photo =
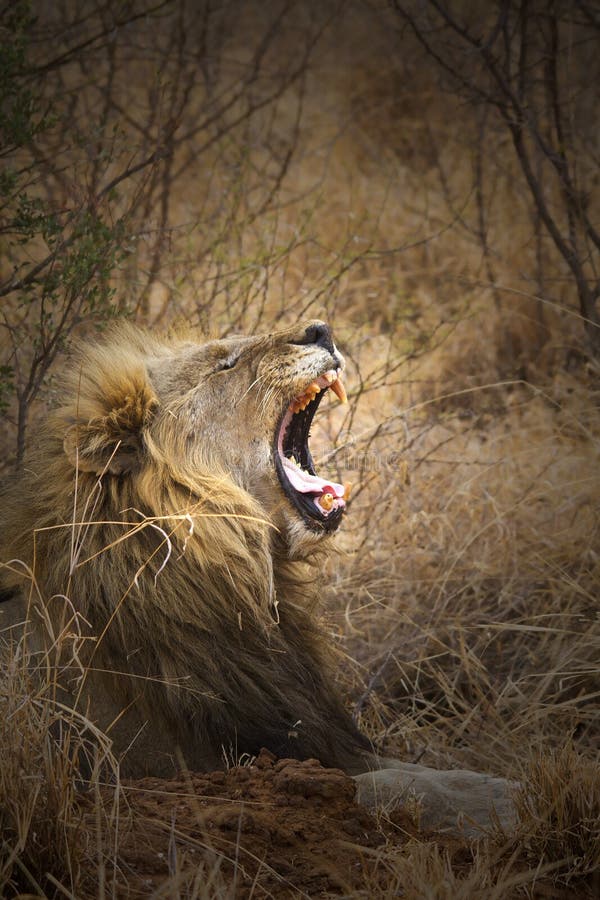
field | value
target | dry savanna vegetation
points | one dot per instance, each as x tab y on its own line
424	176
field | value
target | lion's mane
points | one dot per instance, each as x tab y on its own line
198	630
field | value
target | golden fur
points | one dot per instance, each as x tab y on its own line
151	502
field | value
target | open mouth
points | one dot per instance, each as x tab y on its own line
321	503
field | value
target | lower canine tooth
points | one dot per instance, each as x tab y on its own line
326	501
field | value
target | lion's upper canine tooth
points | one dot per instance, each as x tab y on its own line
339	390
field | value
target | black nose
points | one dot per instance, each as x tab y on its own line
320	334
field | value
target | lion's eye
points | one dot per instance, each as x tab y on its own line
227	363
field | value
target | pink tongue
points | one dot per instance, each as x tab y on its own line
310	484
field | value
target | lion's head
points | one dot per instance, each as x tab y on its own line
241	407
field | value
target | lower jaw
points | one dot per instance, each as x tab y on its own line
326	525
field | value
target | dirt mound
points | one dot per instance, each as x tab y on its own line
276	827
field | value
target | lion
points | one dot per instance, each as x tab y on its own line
172	499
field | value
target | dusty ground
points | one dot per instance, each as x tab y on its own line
276	828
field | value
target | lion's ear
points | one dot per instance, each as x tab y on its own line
107	434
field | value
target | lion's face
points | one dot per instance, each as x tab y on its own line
238	410
244	406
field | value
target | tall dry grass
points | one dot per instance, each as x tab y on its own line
48	752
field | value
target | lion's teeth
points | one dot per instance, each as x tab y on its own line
339	390
328	379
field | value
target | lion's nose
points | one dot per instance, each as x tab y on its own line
317	333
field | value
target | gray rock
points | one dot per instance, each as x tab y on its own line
458	802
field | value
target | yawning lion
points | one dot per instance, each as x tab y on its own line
173	499
170	517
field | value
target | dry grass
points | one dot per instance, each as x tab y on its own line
482	574
465	590
44	747
558	808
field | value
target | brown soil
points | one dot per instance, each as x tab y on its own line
275	828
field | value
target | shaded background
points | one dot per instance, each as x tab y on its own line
423	176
